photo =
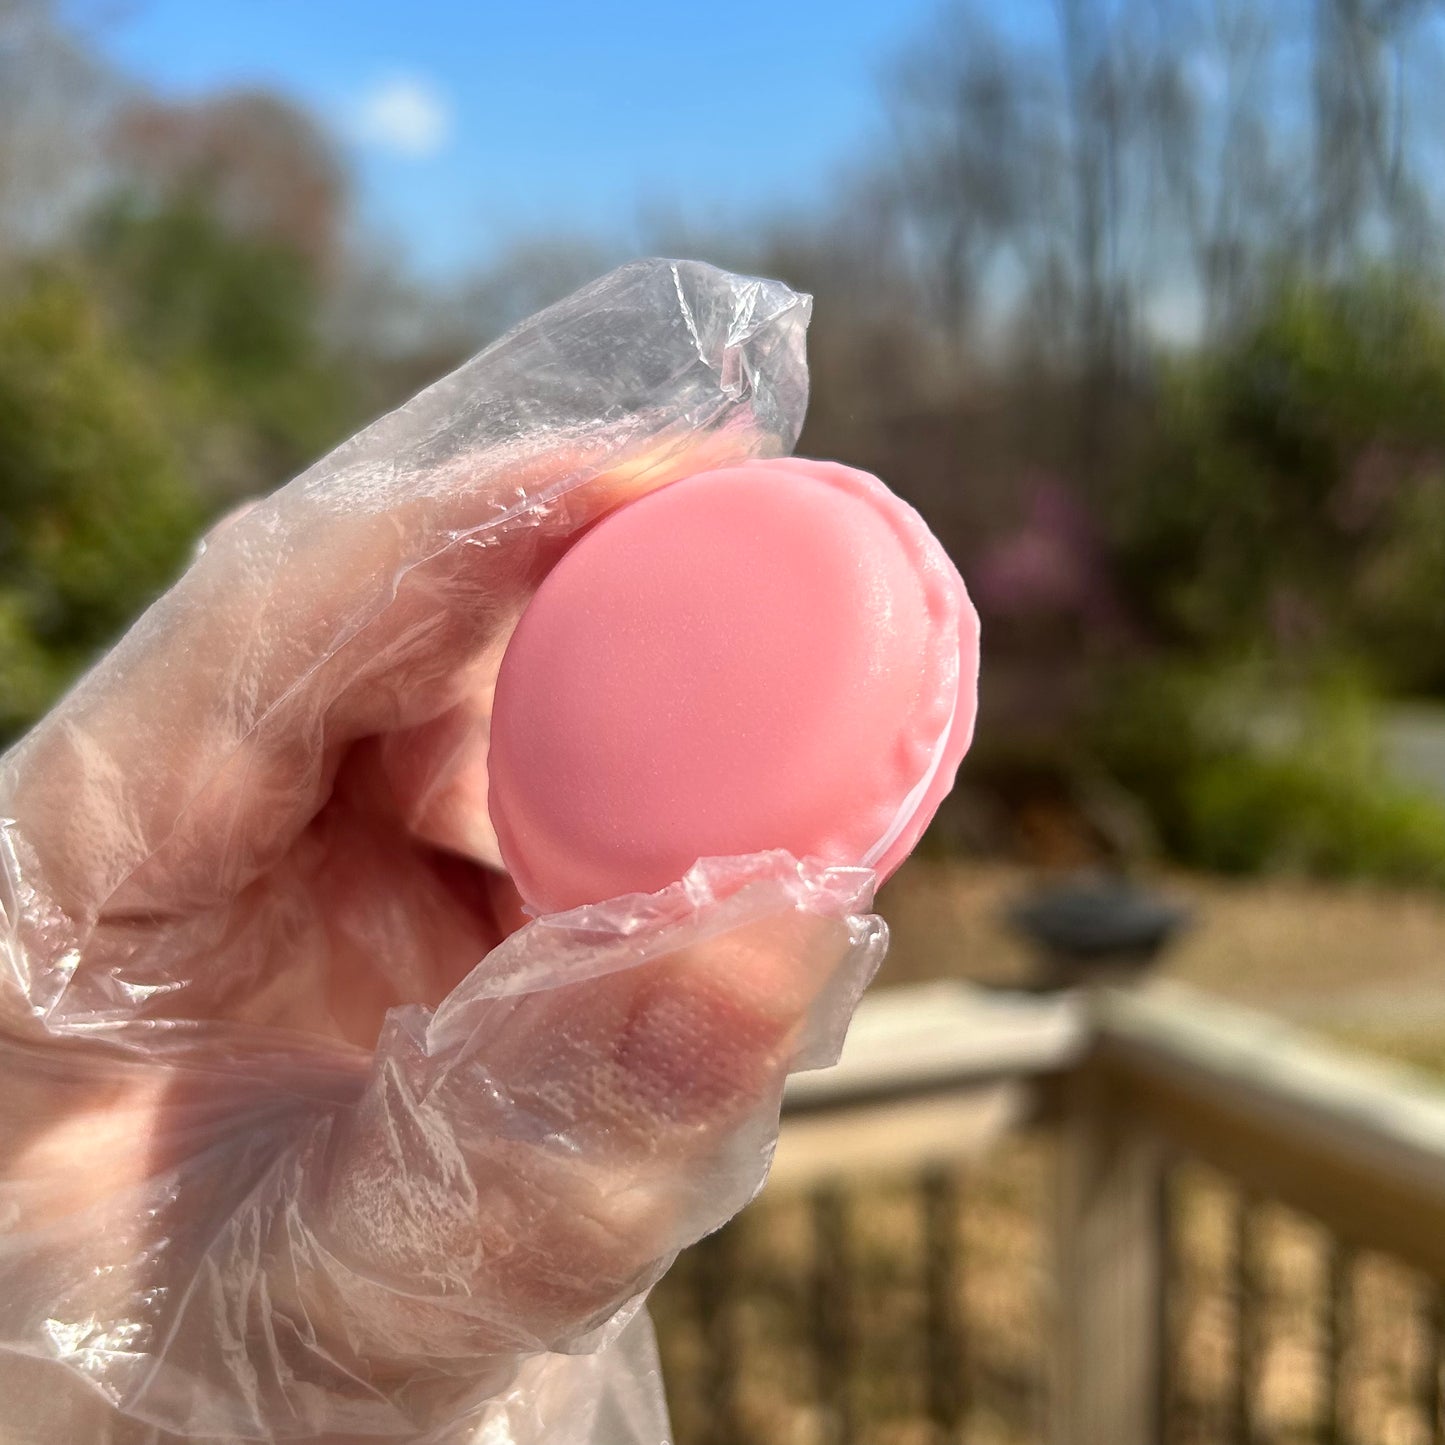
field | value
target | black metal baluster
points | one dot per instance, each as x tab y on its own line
833	1334
1338	1276
1246	1322
715	1264
944	1354
1432	1326
1171	1310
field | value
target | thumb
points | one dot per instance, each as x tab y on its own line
281	1244
529	1160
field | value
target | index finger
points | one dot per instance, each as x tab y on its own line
354	599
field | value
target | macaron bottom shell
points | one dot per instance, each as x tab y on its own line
775	655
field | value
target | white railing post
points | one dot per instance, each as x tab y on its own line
1111	1259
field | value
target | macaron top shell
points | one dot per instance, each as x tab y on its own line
772	655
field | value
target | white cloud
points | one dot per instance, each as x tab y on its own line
406	115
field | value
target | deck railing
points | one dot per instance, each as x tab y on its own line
1240	1237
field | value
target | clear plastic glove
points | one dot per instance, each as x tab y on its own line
307	1132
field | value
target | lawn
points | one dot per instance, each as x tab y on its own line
1362	964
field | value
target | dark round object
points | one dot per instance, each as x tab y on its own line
1094	925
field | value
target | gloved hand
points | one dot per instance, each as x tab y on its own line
307	1133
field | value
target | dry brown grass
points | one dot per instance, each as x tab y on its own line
1362	962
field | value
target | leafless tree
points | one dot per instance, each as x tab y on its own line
1366	185
56	102
1215	116
1159	162
972	165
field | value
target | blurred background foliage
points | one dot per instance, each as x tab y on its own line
95	513
1137	303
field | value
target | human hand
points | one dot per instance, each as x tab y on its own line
306	1132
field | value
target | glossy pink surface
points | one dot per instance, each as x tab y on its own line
774	655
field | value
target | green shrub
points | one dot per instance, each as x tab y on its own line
1294	497
94	516
1240	782
232	326
1250	813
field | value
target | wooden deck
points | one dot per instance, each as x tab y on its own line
1131	1081
929	1074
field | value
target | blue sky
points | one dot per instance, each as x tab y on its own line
469	125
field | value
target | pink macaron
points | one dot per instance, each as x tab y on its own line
775	655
